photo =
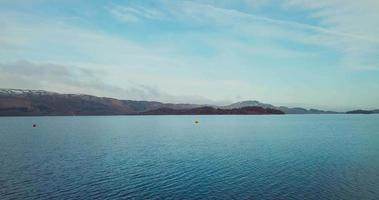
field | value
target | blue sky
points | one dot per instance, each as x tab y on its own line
322	54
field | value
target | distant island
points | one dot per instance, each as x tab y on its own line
19	102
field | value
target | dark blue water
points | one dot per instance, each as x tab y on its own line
169	157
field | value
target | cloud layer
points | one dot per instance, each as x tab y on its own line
292	52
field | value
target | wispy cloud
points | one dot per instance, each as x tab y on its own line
349	32
199	12
356	20
135	13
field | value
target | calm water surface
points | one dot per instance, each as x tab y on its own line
169	157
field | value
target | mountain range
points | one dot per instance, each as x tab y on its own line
19	102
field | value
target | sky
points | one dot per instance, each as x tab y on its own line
321	54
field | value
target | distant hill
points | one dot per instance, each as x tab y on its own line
284	109
363	112
247	104
253	110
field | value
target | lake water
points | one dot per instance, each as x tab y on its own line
170	157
